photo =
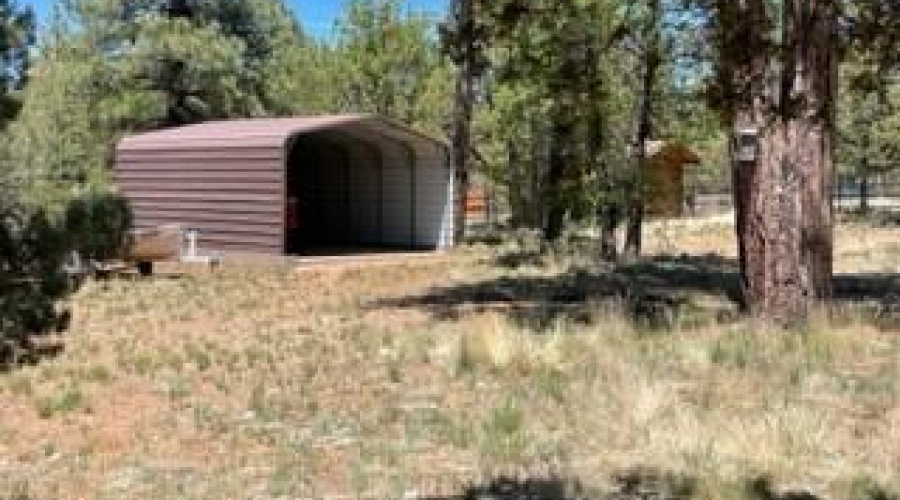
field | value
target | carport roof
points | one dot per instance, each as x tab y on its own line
271	132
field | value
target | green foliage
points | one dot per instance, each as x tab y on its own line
107	68
17	27
64	402
556	80
570	68
866	488
62	140
868	123
871	29
98	225
32	250
503	433
389	63
511	139
303	79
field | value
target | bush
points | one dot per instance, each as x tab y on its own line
98	225
32	280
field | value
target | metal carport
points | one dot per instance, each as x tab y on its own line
361	180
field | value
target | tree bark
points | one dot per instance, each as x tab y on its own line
464	98
864	176
517	187
652	59
608	211
536	170
783	198
559	160
609	221
864	193
634	230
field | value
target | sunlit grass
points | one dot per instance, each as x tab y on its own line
283	382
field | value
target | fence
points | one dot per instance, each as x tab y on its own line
847	196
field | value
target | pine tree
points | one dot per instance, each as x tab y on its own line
109	67
777	87
32	251
390	64
564	50
651	59
17	34
869	131
464	36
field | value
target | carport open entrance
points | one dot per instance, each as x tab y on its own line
341	197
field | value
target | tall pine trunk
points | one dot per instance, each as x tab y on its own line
864	192
608	216
651	60
864	175
516	187
783	197
560	137
464	97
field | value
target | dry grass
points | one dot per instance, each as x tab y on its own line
383	380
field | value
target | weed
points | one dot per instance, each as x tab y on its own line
176	387
140	363
863	487
552	384
198	356
283	382
395	372
737	349
19	490
503	434
66	401
98	373
20	385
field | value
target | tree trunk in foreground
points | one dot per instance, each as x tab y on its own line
783	198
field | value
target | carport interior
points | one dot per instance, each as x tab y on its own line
339	193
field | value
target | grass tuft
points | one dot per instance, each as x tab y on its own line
386	380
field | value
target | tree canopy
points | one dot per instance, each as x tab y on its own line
551	103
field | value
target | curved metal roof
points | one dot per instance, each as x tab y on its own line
270	132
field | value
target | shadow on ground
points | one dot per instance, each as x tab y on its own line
656	293
28	351
640	484
880	217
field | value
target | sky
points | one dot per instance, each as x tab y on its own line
316	16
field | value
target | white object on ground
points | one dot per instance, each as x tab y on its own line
191	254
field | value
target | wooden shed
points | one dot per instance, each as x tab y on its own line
664	177
291	185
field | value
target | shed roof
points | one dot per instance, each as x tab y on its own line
272	132
669	154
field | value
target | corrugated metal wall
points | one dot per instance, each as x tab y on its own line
434	198
232	196
399	195
377	183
